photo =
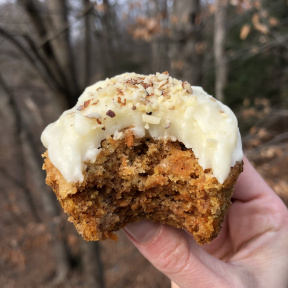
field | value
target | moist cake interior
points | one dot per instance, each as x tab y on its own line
134	179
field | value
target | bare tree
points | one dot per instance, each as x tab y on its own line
15	125
186	48
49	51
160	40
29	157
58	22
87	43
219	52
106	36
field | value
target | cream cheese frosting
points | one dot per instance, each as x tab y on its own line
158	105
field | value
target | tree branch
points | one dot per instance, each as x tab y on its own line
24	51
18	45
66	27
40	26
58	86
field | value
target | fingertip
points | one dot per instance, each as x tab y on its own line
142	232
167	248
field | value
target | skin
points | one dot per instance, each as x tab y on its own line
250	251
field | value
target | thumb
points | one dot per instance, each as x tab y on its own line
175	253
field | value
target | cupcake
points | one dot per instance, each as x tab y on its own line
144	147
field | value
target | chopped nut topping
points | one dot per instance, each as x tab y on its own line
131	86
111	113
145	85
187	87
86	103
93	115
150	119
149	90
119	92
167	124
162	83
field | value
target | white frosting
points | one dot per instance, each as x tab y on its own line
179	112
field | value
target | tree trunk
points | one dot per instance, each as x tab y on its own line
62	45
107	39
185	51
219	53
56	63
52	217
16	171
92	265
40	48
87	44
30	158
159	41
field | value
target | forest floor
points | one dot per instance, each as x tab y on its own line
26	253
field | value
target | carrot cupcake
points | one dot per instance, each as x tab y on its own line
144	147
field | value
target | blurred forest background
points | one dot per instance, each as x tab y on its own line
51	50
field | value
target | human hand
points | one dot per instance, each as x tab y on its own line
250	251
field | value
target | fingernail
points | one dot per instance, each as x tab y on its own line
142	232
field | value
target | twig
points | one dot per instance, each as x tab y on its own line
280	38
11	38
45	65
274	141
66	27
18	44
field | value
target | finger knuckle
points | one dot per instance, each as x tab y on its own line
174	258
